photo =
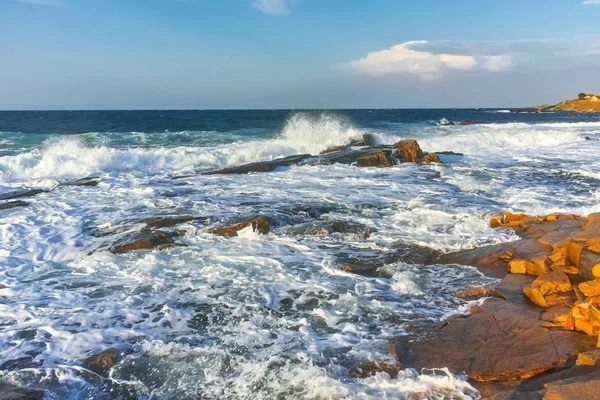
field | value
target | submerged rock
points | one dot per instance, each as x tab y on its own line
89	181
166	222
261	225
10	392
263	166
329	227
103	362
479	292
13	204
21	193
373	367
468	122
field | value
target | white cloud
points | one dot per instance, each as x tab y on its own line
590	2
271	7
404	58
42	2
497	63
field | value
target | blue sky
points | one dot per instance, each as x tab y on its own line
126	54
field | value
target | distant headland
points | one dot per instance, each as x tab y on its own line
584	102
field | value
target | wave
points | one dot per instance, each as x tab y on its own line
71	157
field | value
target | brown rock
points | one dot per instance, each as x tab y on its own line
102	363
589	258
576	388
373	367
500	341
430	158
166	222
468	122
142	240
261	225
479	292
408	150
379	159
360	267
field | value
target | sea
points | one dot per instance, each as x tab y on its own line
258	316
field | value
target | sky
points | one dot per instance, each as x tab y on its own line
207	54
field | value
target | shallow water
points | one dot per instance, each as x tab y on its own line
257	317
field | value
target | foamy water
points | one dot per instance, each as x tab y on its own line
256	316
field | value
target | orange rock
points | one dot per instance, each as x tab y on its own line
553	282
430	158
590	288
519	266
551	217
379	159
574	253
261	225
596	271
535	295
408	150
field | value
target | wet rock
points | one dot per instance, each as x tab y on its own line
13	204
379	159
166	222
467	122
348	157
21	193
408	150
261	225
20	363
144	240
103	362
327	227
360	267
430	158
479	292
263	166
500	341
10	392
373	367
89	181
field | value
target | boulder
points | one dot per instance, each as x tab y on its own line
408	150
430	158
547	284
588	358
360	267
379	159
590	288
261	225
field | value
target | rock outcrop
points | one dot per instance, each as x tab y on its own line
584	103
262	225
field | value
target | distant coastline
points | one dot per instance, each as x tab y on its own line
585	102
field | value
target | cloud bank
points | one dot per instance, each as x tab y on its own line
431	60
271	7
590	2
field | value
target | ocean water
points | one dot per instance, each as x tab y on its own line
257	317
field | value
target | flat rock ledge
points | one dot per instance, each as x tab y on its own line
360	154
536	335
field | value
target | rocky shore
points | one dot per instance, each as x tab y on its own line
535	336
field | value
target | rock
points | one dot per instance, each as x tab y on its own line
408	150
329	227
590	288
373	367
360	267
21	193
143	240
166	222
467	122
379	159
576	388
479	292
10	392
13	204
90	181
430	158
589	258
547	284
588	358
261	225
264	166
500	341
368	139
102	363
